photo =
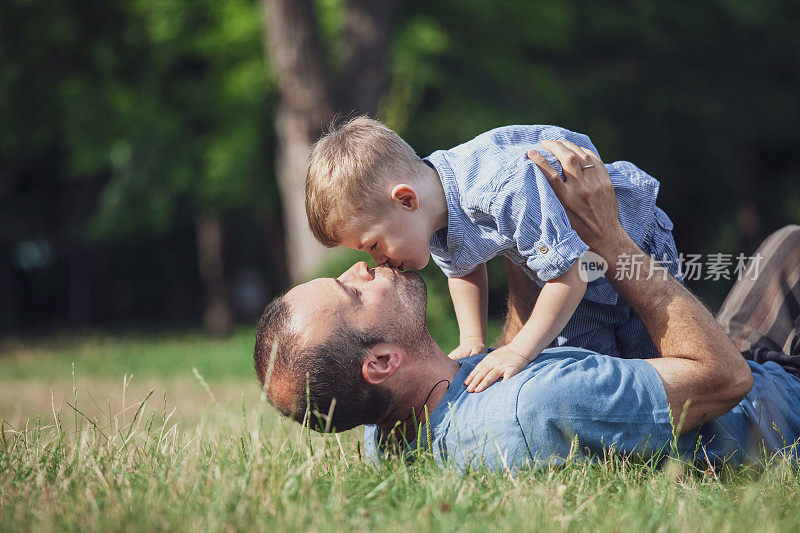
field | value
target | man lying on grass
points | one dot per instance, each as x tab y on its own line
355	350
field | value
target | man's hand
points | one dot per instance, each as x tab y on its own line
503	362
469	346
586	192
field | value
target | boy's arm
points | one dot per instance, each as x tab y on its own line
470	296
557	301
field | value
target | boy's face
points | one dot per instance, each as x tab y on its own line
398	237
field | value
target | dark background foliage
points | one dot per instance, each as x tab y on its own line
140	140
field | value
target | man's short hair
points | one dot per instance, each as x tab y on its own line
347	172
328	370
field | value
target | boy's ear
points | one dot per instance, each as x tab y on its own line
406	195
381	363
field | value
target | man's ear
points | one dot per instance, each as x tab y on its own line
406	196
381	363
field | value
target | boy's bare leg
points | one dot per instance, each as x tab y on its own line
762	315
522	295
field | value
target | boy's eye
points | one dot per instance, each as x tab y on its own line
374	245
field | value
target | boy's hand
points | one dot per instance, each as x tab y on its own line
503	362
469	346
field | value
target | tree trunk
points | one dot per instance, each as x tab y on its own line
8	297
293	45
217	317
366	32
296	135
78	285
78	200
309	98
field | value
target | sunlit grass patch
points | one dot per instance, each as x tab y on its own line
241	467
216	457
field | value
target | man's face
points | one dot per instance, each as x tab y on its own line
361	297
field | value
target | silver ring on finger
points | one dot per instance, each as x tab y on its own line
590	165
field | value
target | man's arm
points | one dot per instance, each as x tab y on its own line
704	375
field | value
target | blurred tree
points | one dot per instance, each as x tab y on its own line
314	83
157	110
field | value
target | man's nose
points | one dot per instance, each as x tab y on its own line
364	272
359	271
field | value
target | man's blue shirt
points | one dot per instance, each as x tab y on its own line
573	401
499	203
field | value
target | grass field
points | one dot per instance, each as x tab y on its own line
204	453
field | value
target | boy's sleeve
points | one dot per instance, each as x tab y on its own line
531	215
444	264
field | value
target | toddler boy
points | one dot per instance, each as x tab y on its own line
368	190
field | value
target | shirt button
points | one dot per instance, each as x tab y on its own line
544	249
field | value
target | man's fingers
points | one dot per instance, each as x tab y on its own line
589	153
580	152
571	161
551	174
593	157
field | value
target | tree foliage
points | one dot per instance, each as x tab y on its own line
124	121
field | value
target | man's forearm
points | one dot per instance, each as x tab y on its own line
703	373
523	293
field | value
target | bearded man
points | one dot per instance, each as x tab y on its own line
337	353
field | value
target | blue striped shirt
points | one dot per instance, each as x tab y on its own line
499	203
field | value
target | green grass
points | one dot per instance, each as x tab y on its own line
222	460
140	353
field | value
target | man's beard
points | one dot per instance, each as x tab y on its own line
413	295
406	322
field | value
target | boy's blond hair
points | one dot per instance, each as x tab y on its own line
348	171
